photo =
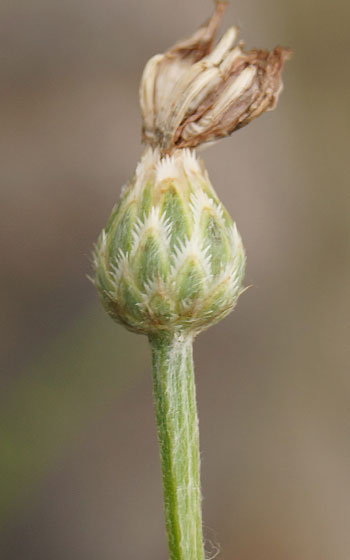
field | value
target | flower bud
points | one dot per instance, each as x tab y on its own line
170	257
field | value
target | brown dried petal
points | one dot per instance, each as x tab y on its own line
260	95
200	43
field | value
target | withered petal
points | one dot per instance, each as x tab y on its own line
261	95
200	43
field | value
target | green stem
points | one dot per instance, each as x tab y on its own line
177	422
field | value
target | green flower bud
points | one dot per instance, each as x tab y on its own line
170	257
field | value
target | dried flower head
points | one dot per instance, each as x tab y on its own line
195	93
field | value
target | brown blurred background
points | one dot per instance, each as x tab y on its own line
79	468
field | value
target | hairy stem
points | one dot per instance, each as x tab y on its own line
177	422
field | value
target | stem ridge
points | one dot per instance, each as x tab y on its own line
178	435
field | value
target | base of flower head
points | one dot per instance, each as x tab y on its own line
170	257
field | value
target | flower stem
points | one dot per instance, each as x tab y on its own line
177	422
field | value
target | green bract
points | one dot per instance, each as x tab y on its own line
170	257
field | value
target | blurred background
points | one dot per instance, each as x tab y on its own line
79	466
